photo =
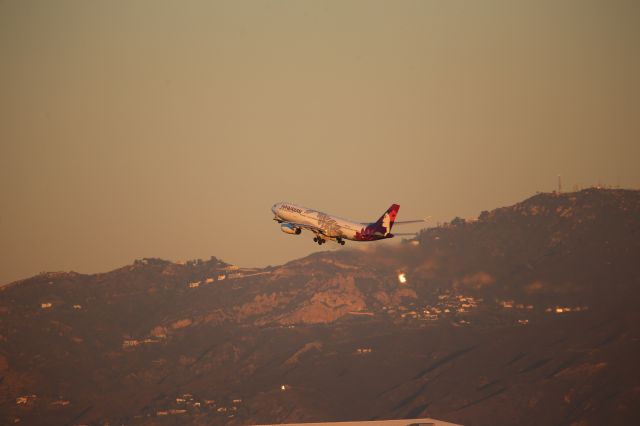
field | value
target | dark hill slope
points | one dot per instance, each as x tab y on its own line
528	315
579	246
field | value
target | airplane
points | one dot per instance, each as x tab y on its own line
293	219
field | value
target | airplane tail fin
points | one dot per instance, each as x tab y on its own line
385	223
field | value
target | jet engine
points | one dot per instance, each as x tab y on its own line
287	228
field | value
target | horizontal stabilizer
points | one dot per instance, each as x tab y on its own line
407	222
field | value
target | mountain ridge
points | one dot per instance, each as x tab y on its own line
527	314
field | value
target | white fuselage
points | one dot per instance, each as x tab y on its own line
332	227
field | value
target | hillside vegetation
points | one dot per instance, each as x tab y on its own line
527	315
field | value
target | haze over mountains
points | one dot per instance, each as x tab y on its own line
529	314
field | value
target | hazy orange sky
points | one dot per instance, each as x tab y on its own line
168	129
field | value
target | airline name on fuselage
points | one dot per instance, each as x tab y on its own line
292	209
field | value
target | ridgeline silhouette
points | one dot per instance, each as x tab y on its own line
527	315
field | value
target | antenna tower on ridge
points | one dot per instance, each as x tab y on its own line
559	184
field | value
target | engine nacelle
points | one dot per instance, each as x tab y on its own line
290	229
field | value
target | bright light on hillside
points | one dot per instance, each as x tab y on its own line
402	278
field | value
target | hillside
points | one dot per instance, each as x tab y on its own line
528	314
